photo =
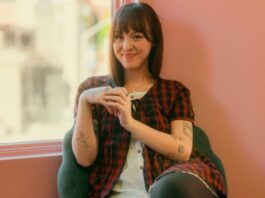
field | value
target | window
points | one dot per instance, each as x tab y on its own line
47	47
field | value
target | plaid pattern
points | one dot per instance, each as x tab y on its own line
167	100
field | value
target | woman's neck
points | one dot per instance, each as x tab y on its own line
136	76
135	82
136	79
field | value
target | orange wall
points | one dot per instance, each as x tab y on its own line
217	49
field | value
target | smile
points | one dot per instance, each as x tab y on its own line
128	56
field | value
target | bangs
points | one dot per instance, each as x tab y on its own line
134	19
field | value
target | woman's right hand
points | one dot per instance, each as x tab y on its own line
96	96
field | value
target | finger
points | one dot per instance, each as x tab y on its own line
116	112
112	111
121	89
106	90
117	99
118	92
118	107
109	109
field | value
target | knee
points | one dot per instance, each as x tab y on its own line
167	186
179	185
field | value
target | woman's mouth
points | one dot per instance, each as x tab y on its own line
128	56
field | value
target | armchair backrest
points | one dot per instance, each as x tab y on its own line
202	144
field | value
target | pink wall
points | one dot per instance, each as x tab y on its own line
29	178
217	48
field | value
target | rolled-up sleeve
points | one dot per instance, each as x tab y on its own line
182	106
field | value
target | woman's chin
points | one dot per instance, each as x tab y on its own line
129	66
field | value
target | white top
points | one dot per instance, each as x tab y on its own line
131	181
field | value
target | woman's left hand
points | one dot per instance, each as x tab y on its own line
118	99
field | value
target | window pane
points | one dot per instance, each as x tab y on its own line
47	47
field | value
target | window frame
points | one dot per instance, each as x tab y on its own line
31	149
42	148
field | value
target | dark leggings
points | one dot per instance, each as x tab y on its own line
180	185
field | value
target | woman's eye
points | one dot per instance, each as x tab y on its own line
138	36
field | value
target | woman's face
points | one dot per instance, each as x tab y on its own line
132	49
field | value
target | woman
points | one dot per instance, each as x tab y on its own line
133	129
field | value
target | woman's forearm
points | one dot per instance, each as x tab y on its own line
84	141
174	147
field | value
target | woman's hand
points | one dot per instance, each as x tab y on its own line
118	100
97	96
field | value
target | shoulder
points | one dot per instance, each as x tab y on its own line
172	86
176	100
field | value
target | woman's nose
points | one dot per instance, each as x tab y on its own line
127	44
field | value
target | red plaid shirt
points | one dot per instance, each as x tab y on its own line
167	100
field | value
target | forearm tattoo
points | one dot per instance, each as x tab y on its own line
82	139
187	129
175	156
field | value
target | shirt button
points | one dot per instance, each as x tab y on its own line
141	167
133	107
139	151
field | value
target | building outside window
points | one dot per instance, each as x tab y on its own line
47	47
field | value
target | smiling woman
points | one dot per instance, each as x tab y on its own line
45	53
133	131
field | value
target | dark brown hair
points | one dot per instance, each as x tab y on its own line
140	17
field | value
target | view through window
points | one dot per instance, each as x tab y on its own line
47	47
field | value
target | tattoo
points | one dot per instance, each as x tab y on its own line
187	129
181	148
82	139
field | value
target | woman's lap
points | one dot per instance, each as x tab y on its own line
181	184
